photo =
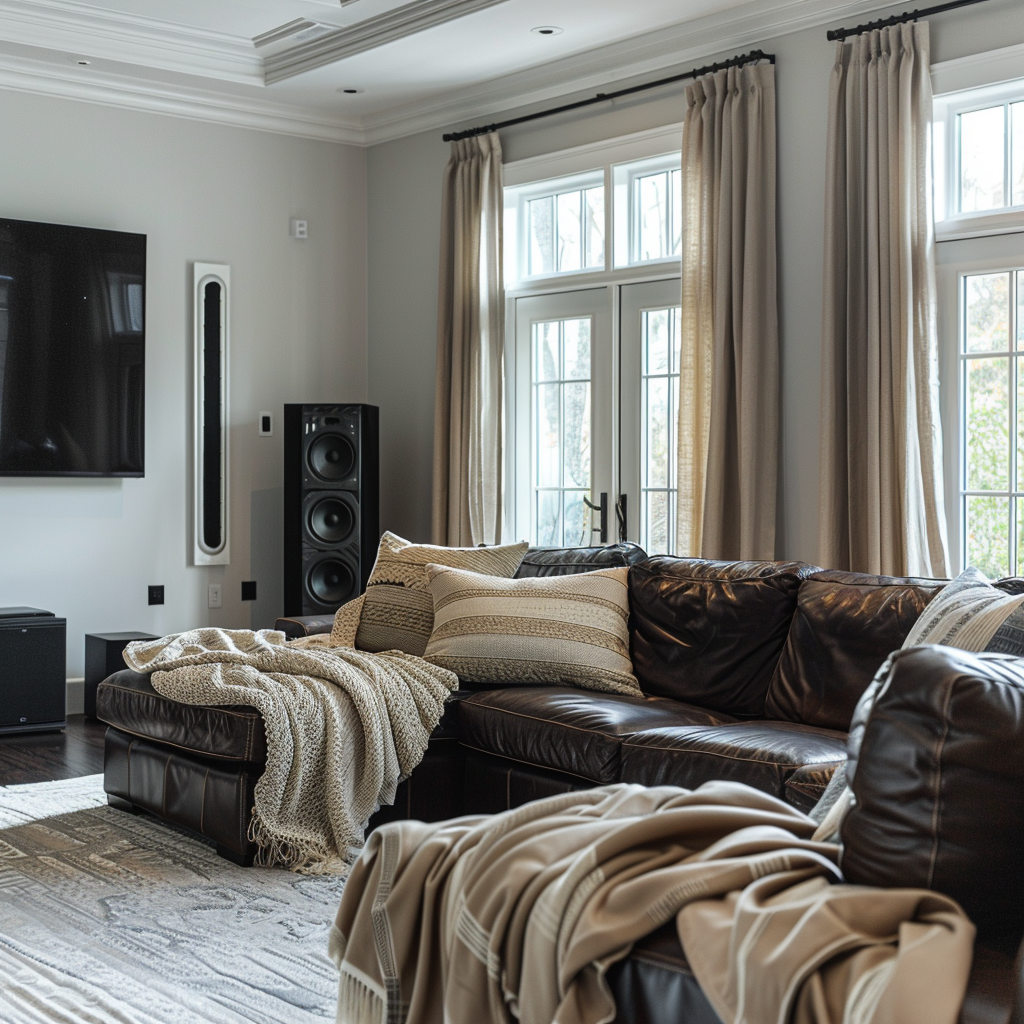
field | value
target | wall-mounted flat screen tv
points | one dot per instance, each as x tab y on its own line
72	351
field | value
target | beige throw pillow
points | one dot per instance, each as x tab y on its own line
398	612
556	629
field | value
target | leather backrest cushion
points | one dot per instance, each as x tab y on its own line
939	785
845	626
710	633
569	561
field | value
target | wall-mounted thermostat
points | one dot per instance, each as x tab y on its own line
299	228
266	424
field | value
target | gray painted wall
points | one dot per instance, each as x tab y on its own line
86	549
404	182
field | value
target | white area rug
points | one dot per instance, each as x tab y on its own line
110	918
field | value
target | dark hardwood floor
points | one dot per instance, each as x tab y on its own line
45	756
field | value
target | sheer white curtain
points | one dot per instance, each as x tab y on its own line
729	361
881	505
468	414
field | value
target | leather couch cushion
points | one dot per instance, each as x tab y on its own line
806	786
761	754
710	633
568	561
845	626
939	784
127	701
561	728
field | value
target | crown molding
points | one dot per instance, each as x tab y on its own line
45	79
368	35
661	51
76	28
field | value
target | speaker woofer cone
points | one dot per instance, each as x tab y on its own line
330	520
332	457
331	581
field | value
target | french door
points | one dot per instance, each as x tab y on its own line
596	395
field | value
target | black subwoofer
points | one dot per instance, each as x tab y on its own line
331	518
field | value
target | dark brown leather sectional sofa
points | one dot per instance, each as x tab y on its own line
750	672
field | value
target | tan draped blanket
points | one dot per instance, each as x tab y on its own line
343	727
518	916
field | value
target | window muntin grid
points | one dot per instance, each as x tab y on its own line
565	232
991	309
659	416
561	359
990	157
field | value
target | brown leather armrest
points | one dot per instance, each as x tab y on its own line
304	625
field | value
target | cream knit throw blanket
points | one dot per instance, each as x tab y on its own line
343	728
518	916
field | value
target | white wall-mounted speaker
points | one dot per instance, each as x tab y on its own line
211	283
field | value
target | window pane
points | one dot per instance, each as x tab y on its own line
987	319
1020	309
652	192
549	519
1017	152
988	535
569	228
657	523
982	158
542	235
657	431
577	349
1020	423
577	522
595	227
677	331
545	351
988	426
656	351
547	430
577	435
677	213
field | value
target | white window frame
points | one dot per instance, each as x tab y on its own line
625	214
950	223
532	177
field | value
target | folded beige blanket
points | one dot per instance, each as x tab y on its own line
519	915
343	728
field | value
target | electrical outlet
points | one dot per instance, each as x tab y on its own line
214	595
156	595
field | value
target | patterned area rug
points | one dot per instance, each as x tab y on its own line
109	918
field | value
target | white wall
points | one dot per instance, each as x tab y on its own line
87	549
404	220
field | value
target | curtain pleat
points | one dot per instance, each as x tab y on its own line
880	507
468	412
729	361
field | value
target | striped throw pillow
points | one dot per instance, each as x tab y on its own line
398	612
570	630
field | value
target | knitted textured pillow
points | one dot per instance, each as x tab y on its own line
548	630
398	612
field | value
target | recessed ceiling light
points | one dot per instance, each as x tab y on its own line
350	91
547	30
84	63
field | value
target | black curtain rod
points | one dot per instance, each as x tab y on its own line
899	19
601	97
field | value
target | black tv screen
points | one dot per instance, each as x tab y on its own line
72	350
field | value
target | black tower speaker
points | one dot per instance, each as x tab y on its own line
331	504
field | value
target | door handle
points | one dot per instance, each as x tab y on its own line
620	516
601	530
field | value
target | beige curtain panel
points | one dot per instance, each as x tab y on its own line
729	357
468	414
881	505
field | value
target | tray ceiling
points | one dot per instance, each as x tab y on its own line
364	70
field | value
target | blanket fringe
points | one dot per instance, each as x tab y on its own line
310	859
358	1003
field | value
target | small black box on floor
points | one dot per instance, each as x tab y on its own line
33	678
103	658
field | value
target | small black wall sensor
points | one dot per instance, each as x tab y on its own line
156	595
248	590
